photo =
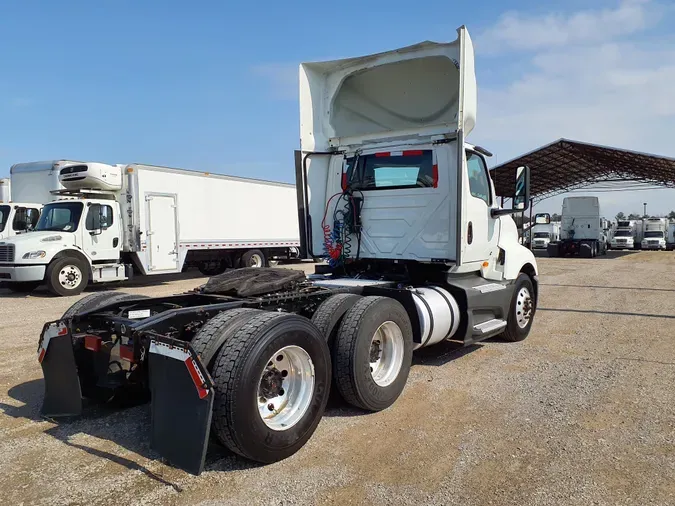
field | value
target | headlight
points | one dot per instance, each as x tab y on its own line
32	255
51	238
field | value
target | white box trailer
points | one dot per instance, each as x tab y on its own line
670	238
582	229
28	188
113	220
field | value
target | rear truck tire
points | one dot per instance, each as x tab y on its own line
521	310
212	268
23	286
253	258
67	276
217	331
372	353
553	250
272	381
330	313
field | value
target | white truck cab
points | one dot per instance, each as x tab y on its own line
655	233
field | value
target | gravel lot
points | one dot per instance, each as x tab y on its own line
582	412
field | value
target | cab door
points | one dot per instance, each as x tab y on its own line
102	234
481	230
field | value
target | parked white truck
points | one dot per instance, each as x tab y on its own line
582	229
113	220
544	231
655	231
670	237
28	188
432	258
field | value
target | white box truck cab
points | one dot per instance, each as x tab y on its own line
110	221
655	231
419	252
582	229
24	194
544	231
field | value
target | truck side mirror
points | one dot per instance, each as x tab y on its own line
521	199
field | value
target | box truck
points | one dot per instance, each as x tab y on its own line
28	188
655	231
670	238
582	229
110	221
544	231
419	251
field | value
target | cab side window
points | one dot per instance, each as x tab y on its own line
99	212
479	184
25	218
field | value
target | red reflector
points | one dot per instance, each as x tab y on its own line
127	353
92	343
384	153
344	180
413	152
434	175
197	378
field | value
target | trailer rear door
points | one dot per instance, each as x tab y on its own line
162	231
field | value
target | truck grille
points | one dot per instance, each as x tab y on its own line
7	253
622	240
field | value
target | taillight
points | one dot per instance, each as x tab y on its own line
92	343
434	175
127	353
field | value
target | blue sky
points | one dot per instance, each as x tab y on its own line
207	86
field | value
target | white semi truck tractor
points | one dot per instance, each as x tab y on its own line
419	250
112	221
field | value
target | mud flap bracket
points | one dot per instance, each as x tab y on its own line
182	402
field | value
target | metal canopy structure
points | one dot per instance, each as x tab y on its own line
566	165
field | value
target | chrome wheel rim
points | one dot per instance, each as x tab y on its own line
523	307
70	277
386	353
255	261
286	388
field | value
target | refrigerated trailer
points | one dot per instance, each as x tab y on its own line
419	250
582	229
112	220
27	190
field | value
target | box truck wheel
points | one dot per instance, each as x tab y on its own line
330	313
521	311
373	353
212	268
253	258
272	382
67	276
23	286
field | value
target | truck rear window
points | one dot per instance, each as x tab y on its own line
392	170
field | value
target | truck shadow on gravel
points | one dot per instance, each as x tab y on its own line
611	254
128	427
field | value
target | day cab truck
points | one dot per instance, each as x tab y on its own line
655	233
544	231
419	252
582	229
112	221
23	194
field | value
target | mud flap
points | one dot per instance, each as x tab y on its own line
63	396
182	401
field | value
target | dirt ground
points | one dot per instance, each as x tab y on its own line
580	413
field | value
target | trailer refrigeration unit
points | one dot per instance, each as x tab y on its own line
655	232
26	191
419	253
113	220
581	230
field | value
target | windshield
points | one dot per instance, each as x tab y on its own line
60	216
654	234
4	214
541	235
623	233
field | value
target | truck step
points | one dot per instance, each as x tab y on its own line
488	327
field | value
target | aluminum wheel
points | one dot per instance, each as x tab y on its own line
386	353
255	260
523	307
70	277
286	388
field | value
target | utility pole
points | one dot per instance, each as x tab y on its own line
645	213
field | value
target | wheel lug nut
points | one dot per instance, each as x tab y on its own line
270	406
